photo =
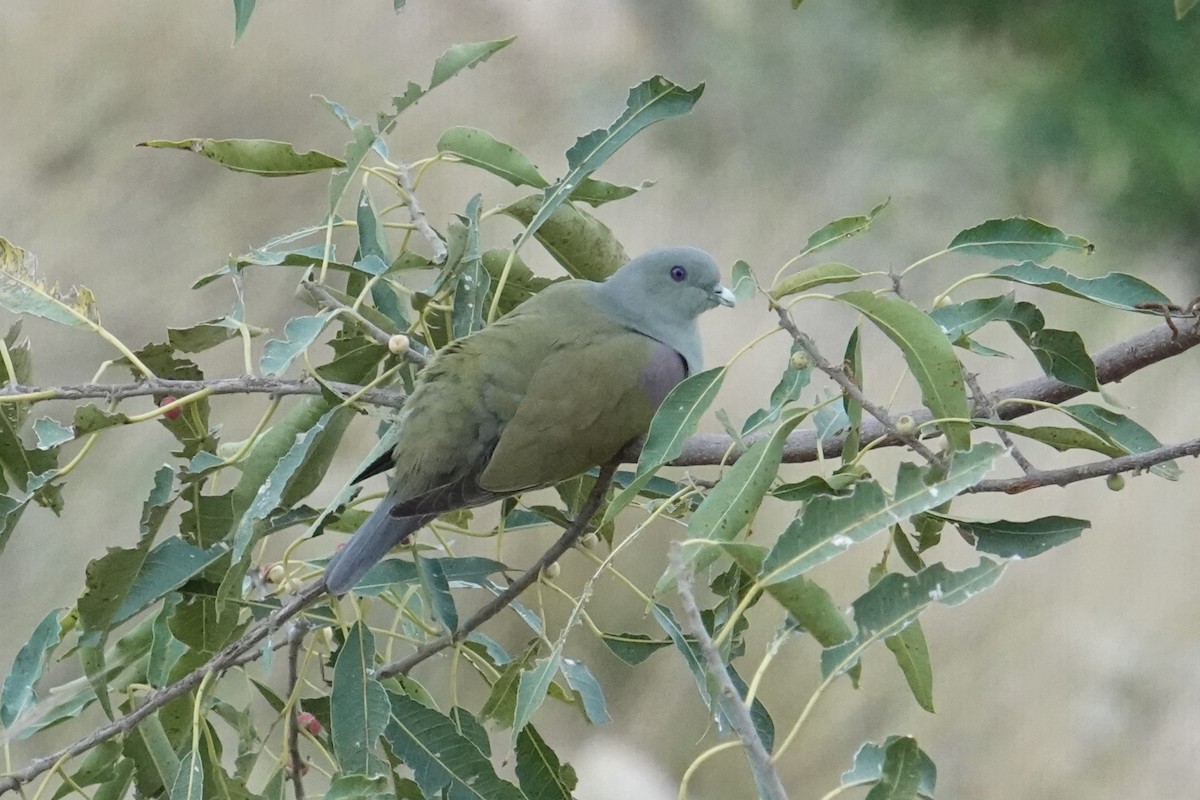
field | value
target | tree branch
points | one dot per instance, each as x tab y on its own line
729	700
414	353
523	581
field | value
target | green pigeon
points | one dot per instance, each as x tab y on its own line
557	386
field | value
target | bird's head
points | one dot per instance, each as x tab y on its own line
677	283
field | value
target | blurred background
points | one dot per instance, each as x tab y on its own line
1077	676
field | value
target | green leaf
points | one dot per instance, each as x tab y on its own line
1116	289
587	688
358	706
901	773
929	355
299	334
242	9
437	591
582	244
28	665
23	291
742	282
166	567
678	417
540	772
464	56
273	488
813	277
359	787
1126	433
891	605
1020	539
962	319
441	757
912	656
1017	237
1182	7
733	502
870	759
501	704
90	418
1061	354
650	101
520	285
263	157
1061	439
810	487
471	289
480	149
840	230
633	648
51	433
189	781
808	602
831	525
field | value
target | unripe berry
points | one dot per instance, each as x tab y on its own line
172	413
275	573
943	301
1116	482
799	361
551	571
905	425
589	540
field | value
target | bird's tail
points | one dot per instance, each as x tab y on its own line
378	534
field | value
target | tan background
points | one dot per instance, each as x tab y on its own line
1075	677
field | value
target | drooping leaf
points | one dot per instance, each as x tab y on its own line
189	781
23	291
1019	238
912	656
1116	289
1061	439
1123	431
28	665
962	319
633	648
584	684
264	157
358	708
807	601
929	355
870	759
473	284
242	10
437	591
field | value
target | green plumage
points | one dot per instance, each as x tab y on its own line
559	385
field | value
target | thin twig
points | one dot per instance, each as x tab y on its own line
247	384
728	698
848	386
523	581
418	216
1096	469
985	407
295	644
414	353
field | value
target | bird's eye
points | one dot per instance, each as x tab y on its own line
678	273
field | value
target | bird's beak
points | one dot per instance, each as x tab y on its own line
724	296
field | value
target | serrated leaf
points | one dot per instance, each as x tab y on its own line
1126	433
28	665
813	277
299	334
894	602
650	101
1116	289
442	758
539	770
264	157
1017	237
359	710
1020	539
831	525
23	291
583	245
929	355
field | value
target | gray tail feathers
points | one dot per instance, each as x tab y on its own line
371	542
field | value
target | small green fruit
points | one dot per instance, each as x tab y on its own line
1115	482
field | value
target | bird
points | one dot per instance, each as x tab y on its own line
560	384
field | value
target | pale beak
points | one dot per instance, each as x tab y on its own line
724	296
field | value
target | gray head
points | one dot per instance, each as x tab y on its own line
660	294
